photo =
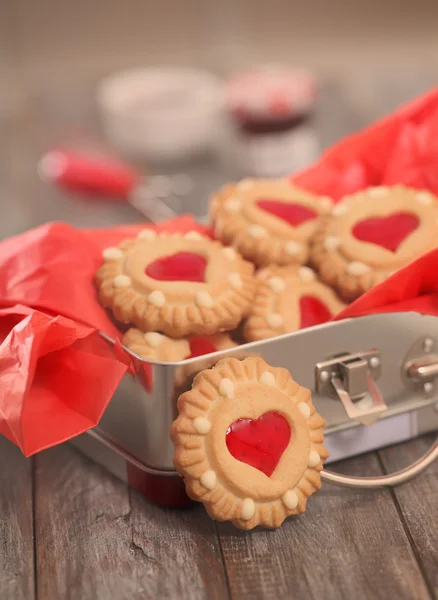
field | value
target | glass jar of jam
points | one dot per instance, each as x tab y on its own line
272	109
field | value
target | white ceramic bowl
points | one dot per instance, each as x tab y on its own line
161	113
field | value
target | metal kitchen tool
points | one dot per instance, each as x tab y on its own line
372	379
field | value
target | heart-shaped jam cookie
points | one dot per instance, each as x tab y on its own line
178	285
388	232
269	221
358	247
288	299
259	443
248	443
159	347
182	266
293	214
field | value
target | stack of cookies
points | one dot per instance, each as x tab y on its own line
283	259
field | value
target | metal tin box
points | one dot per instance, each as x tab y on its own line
372	379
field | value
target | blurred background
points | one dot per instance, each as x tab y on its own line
363	58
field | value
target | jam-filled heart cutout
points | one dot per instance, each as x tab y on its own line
200	346
388	232
259	443
293	214
182	266
313	312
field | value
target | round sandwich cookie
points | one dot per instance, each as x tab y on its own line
287	299
268	221
373	233
249	443
161	348
176	284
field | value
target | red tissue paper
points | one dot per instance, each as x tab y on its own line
401	148
57	374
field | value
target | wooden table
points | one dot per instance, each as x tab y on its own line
70	530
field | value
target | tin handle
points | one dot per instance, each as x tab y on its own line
390	480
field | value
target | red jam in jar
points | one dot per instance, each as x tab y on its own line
272	109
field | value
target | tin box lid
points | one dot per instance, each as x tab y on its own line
271	91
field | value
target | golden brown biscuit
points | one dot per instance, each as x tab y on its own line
373	233
178	284
268	221
249	443
287	299
158	347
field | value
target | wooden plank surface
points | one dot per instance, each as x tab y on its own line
98	540
417	503
95	539
16	525
349	544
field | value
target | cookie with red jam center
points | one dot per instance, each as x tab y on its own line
287	299
161	348
268	221
249	443
373	233
176	284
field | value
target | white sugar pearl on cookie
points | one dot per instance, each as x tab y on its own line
208	480
157	298
304	409
306	274
267	378
248	509
314	458
201	425
245	184
229	253
147	234
193	235
235	281
290	499
274	320
226	388
332	242
293	248
357	268
122	281
378	192
112	254
233	205
204	299
339	210
326	201
257	231
424	198
277	284
154	339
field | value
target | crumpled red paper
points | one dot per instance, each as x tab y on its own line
51	377
57	374
401	148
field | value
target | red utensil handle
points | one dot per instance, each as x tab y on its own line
97	175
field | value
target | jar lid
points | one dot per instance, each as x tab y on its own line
271	92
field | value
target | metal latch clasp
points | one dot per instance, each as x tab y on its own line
420	367
351	377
